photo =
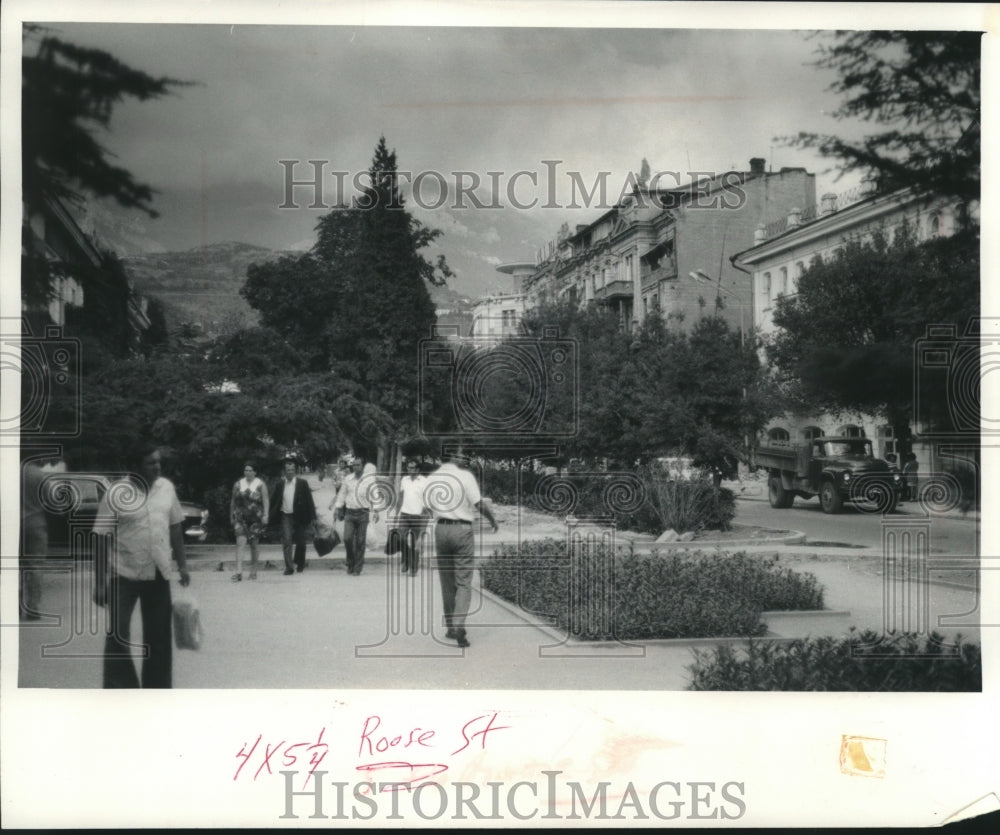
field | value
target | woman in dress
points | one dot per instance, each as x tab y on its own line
248	513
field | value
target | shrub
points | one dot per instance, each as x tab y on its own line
858	662
688	503
645	596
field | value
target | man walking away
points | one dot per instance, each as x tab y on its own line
453	495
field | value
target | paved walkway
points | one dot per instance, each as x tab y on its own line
325	628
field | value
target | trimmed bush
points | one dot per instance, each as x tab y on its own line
688	504
645	596
858	662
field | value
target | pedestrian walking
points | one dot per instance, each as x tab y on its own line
248	510
353	507
143	516
411	516
453	495
292	503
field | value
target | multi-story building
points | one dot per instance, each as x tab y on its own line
499	314
54	235
666	252
783	251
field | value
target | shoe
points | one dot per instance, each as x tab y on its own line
463	642
288	571
451	634
299	569
413	573
237	577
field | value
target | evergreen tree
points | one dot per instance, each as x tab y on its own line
358	302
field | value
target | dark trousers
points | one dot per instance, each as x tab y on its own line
30	566
153	597
293	535
411	529
355	530
455	561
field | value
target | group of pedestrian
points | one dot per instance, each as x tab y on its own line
413	512
144	539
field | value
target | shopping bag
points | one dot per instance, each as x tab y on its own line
325	538
187	622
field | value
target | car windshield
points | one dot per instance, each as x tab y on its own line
836	449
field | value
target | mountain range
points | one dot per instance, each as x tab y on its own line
201	287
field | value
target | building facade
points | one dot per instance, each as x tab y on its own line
667	252
784	250
500	314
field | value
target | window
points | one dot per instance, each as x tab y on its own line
778	434
851	431
783	281
767	288
656	301
934	227
812	432
645	306
628	268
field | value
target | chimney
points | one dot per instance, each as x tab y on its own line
828	204
760	235
794	217
757	166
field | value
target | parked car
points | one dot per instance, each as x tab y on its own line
71	501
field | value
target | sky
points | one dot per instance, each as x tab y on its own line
448	99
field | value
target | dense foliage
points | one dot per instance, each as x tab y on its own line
357	304
646	596
922	90
860	662
847	337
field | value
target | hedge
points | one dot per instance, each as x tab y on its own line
859	662
646	596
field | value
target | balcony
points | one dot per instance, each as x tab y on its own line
666	269
613	290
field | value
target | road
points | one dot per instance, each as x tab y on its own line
950	534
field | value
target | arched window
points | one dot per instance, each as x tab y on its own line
776	433
767	288
851	431
783	281
811	433
934	226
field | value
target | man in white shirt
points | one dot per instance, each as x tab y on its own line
452	493
144	518
353	505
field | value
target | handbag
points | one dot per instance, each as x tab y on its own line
325	538
188	633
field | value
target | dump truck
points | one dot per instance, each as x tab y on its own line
838	470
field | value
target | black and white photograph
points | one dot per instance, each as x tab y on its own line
465	414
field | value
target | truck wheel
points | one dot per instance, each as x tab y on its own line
829	498
778	495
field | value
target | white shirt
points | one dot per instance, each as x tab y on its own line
354	491
452	493
412	491
142	525
288	496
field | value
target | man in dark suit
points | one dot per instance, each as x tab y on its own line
292	503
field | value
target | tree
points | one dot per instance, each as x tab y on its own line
846	339
360	304
68	94
923	90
